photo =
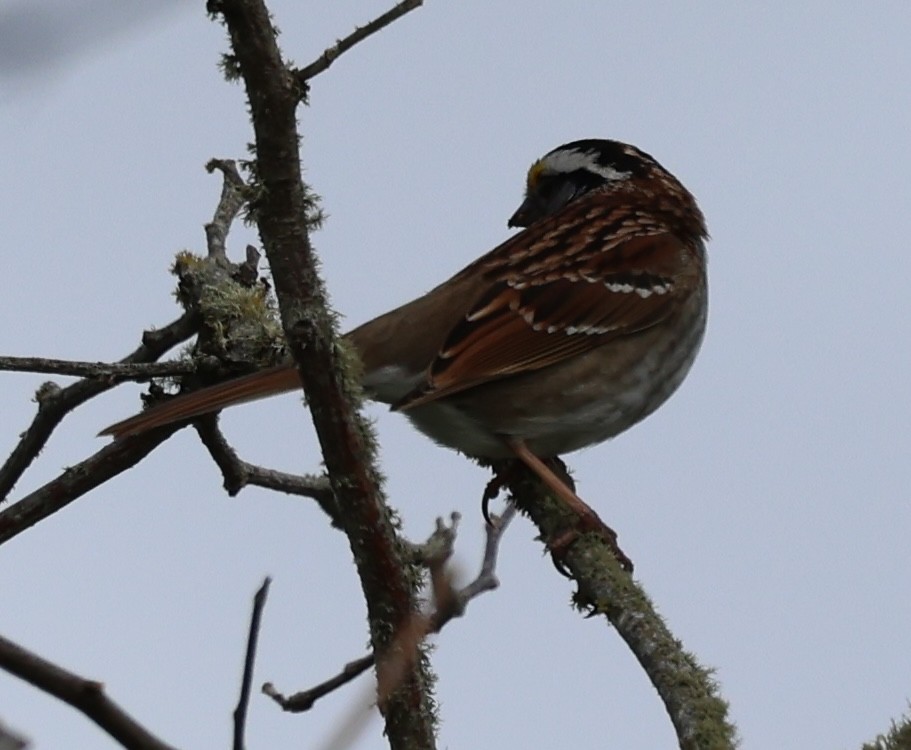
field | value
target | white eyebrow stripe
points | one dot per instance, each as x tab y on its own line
564	162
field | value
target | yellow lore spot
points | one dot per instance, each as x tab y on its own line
534	174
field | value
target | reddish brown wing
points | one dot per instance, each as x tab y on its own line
559	289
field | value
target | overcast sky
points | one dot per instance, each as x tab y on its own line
766	505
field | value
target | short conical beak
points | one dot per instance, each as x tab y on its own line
524	215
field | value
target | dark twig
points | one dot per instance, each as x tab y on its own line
55	403
229	206
77	480
240	713
304	700
331	54
238	473
84	695
449	604
111	372
248	271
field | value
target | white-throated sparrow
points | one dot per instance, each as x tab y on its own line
565	335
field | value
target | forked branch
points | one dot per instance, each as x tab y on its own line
449	603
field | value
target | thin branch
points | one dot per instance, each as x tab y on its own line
331	54
112	372
284	212
229	205
449	604
55	403
84	695
238	473
688	690
240	713
486	579
304	700
392	667
77	480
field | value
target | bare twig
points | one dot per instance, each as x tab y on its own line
331	54
284	212
55	403
79	479
238	473
248	271
304	700
87	696
240	713
449	604
439	545
394	664
486	579
229	206
111	372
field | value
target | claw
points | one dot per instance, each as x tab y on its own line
485	502
559	546
499	480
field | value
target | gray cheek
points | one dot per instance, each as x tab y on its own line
567	192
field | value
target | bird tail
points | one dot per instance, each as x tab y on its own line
259	385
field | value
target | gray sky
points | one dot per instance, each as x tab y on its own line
766	505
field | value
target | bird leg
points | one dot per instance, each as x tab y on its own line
589	520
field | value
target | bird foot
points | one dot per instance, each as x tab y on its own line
587	520
588	523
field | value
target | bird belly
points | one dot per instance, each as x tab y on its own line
449	425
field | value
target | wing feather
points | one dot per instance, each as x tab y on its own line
539	310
